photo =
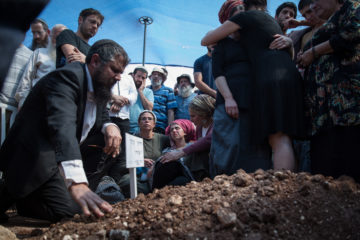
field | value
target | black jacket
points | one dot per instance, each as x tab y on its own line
47	130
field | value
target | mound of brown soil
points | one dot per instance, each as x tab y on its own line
262	205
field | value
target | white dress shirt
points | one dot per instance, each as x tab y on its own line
125	88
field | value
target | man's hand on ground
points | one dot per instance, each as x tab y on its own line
89	201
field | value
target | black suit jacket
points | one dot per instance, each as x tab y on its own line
47	130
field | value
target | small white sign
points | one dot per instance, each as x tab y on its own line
134	151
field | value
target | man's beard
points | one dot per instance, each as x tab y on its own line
156	83
84	32
138	85
42	44
185	91
52	51
102	93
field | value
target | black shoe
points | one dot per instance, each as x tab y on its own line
5	202
3	217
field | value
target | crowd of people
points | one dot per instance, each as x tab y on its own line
265	99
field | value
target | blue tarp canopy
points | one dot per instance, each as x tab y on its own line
172	39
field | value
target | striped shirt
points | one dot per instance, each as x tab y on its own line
164	99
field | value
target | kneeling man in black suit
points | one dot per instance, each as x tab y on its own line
40	158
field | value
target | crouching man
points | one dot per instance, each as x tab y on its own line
40	158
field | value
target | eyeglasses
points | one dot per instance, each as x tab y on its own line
146	118
38	32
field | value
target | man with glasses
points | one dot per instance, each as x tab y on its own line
73	47
41	33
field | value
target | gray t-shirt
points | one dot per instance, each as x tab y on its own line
153	147
69	37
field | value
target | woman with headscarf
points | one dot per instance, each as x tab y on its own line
201	111
231	148
181	132
276	89
332	89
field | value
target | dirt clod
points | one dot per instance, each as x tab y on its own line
226	217
175	200
6	234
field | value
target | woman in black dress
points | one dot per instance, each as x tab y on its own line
230	147
276	104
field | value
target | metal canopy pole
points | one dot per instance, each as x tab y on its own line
146	21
